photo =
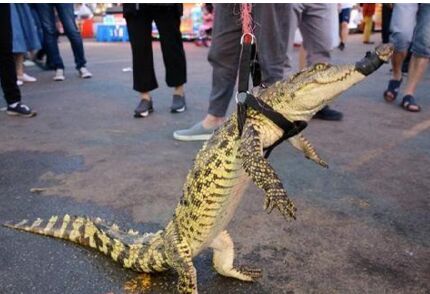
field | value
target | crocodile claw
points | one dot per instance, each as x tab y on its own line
253	273
283	204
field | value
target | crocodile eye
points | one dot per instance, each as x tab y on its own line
320	66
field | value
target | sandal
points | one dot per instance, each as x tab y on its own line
409	104
393	89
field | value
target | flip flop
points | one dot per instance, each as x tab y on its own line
409	101
392	91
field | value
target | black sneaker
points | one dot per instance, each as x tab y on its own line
178	104
341	46
328	114
143	109
20	110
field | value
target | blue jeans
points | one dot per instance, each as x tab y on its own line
67	18
410	24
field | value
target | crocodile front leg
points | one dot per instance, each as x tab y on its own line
262	174
302	144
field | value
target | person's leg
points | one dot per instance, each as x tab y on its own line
402	26
344	30
269	22
387	11
19	64
140	34
316	25
224	58
67	17
139	28
421	54
368	23
8	78
168	20
11	91
291	23
47	20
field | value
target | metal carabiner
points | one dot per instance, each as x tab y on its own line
242	98
242	39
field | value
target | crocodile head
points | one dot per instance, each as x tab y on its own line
308	91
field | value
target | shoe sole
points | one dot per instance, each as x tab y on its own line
188	138
86	77
143	114
59	79
12	113
179	110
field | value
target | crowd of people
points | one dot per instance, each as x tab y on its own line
30	31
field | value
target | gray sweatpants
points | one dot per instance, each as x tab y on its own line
268	20
314	22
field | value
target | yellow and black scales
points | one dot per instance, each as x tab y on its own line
216	182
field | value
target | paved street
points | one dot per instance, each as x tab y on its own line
363	225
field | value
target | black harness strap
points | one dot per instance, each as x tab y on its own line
249	66
290	128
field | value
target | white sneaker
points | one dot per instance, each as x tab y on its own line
29	63
27	78
59	75
84	73
19	83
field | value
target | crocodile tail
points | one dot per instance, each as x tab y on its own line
120	246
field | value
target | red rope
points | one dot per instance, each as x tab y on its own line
245	15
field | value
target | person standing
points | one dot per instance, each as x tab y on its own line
409	28
368	12
8	79
224	55
344	16
25	38
67	17
315	23
167	18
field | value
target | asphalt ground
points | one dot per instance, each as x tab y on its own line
363	225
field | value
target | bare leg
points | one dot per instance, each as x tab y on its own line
417	68
145	96
396	62
19	63
211	121
179	90
223	260
344	32
302	58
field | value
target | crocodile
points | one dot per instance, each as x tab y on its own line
216	182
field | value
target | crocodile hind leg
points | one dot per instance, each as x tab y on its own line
223	260
302	144
262	174
179	257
